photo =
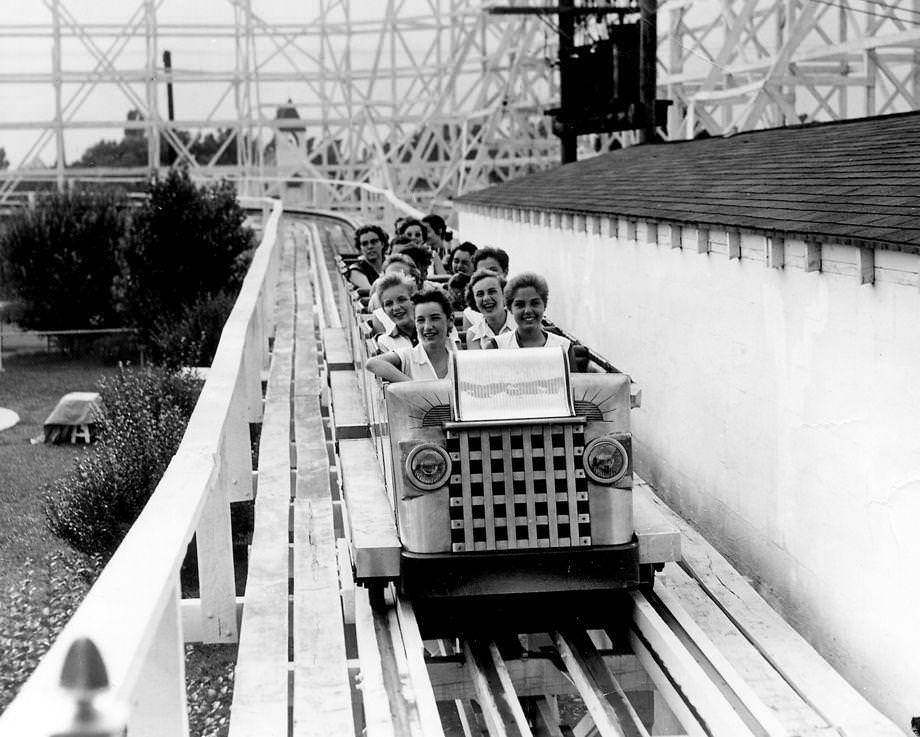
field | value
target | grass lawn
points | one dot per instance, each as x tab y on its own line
30	385
42	580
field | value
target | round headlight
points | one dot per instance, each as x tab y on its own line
605	460
428	466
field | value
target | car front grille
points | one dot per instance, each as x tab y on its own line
518	486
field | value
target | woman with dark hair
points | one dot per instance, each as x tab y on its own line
429	359
456	291
371	241
414	229
489	257
418	232
461	258
438	234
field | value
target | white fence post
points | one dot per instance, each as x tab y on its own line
253	361
216	581
158	705
84	680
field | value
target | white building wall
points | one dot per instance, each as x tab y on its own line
780	411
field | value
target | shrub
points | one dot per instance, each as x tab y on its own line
35	610
60	259
146	412
192	339
185	243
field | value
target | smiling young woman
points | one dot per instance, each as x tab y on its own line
526	296
484	294
431	357
394	293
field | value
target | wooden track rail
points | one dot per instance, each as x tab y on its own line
700	655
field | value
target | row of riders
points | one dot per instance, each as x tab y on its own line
416	316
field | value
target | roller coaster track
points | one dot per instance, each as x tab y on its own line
654	668
317	656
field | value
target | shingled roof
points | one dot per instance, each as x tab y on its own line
855	182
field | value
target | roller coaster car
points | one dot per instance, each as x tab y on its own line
512	481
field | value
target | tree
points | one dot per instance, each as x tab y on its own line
126	152
4	162
204	147
184	243
60	259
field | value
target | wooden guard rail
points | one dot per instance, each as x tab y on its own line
134	613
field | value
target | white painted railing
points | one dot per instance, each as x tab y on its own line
134	613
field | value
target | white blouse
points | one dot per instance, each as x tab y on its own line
509	340
481	329
415	363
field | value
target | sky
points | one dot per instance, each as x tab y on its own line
28	50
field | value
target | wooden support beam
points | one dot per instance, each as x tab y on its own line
775	251
338	354
865	261
346	580
608	227
711	705
602	712
321	699
546	722
374	541
603	682
260	697
322	691
506	692
495	711
702	240
812	256
675	236
347	406
410	651
159	705
190	611
659	538
734	244
216	580
377	718
766	718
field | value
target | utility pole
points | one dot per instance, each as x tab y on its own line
568	138
167	67
648	45
170	113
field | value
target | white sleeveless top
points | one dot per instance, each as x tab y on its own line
415	363
393	341
509	340
481	329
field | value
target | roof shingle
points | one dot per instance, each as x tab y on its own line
855	181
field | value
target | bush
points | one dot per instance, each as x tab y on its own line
35	610
146	412
60	259
185	244
192	339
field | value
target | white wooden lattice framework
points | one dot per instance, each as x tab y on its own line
746	64
430	98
